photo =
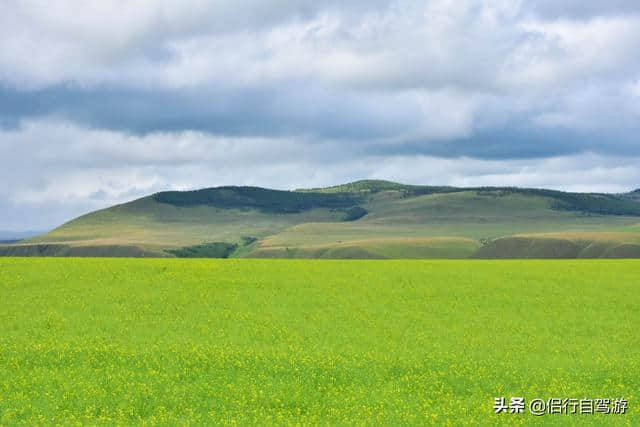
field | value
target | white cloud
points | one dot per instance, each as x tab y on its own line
105	101
55	177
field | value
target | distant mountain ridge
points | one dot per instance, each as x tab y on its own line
14	236
635	194
361	219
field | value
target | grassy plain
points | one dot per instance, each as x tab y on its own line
166	341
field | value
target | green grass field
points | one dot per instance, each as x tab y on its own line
167	341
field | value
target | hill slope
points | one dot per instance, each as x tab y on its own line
364	219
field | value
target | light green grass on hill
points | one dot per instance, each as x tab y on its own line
564	245
299	342
383	247
158	226
461	219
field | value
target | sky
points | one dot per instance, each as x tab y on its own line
104	102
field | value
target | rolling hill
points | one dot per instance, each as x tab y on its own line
363	219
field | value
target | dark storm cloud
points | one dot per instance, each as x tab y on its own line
257	111
315	115
582	9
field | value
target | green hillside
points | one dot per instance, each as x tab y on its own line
363	219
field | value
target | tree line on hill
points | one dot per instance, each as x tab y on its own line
285	202
270	201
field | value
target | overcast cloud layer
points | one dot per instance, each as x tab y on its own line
103	102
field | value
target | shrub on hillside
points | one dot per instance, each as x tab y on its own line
205	250
355	213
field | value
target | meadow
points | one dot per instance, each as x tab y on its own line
187	341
